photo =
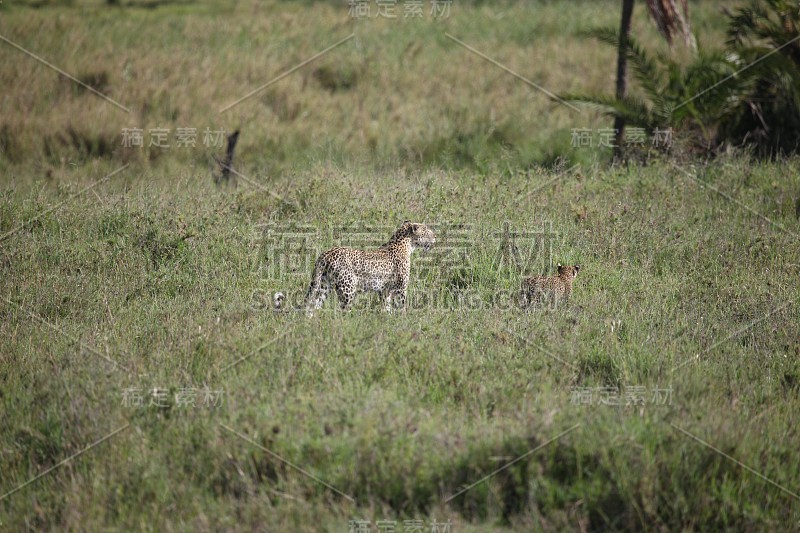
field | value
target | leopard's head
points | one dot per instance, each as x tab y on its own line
568	272
420	235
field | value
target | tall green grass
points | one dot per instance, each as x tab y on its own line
162	274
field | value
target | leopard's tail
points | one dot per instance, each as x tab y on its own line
316	294
523	296
279	301
281	304
316	281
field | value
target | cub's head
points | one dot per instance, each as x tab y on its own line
421	235
568	272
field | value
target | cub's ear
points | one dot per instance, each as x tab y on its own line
577	268
558	266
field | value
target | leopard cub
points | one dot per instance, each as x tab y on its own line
537	288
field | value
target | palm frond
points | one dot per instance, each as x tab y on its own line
635	111
645	69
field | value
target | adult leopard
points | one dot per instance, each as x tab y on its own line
385	270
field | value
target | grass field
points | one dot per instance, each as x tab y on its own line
145	382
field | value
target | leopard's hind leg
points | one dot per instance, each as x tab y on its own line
318	289
346	290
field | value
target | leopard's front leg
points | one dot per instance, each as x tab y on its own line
399	295
399	300
386	294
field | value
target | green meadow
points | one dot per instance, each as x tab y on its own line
146	382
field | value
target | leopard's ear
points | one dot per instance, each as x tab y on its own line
577	268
